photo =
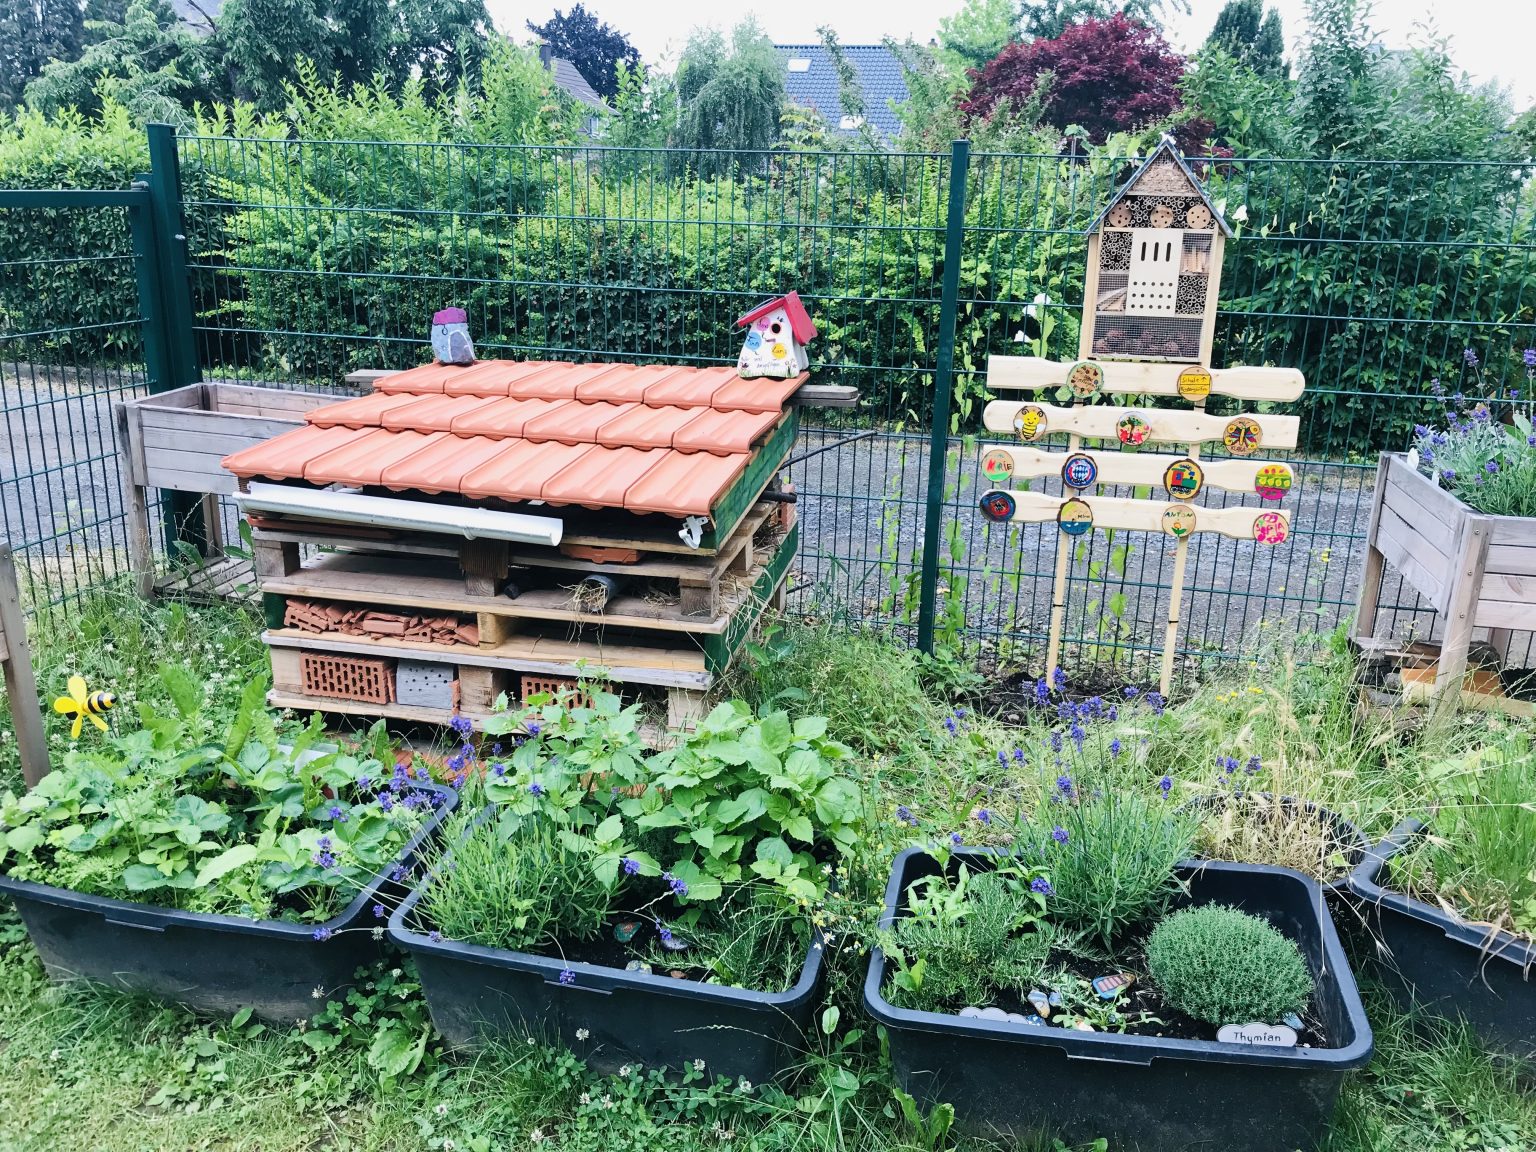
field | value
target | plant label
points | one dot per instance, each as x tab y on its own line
1258	1035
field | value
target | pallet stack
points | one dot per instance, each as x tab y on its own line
656	597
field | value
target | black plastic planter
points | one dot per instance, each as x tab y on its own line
608	1016
1143	1093
1437	961
1350	838
212	964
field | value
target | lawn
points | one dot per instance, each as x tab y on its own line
938	757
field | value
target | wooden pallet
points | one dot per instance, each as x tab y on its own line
223	579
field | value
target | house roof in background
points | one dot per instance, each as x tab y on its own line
197	14
575	85
814	83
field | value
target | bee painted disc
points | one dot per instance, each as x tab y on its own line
1242	436
1133	429
997	465
1269	528
1085	379
997	506
1178	521
1194	384
1079	471
1030	422
1183	479
1074	517
1273	481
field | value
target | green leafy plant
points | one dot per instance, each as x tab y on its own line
1224	966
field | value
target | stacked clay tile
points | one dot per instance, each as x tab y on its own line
315	616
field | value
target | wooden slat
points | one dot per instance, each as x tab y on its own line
275	403
301	703
1433	511
825	396
202	480
1514	561
213	441
1420	565
1168	426
1242	383
1517	615
20	681
1141	515
1513	531
329	536
1131	468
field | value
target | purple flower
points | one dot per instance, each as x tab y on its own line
435	936
1018	755
674	885
949	725
378	911
1078	734
335	813
956	839
1470	357
1156	702
324	859
534	727
904	816
321	933
1058	679
1165	785
1531	440
536	789
1448	474
1042	886
1059	834
1002	759
984	816
386	801
567	977
1114	747
1131	691
1529	357
1254	764
1492	466
397	874
461	724
1064	785
1042	691
1055	741
631	866
664	933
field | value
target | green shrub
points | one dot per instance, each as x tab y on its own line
1223	966
965	940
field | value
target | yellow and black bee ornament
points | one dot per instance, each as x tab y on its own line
83	705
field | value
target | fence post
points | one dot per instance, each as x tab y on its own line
943	377
173	363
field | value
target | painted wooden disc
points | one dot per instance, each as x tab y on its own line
1184	479
1079	471
1242	436
1269	528
1085	379
997	465
1133	429
1030	422
997	505
1273	481
1074	517
1194	384
1162	217
1178	521
1199	216
1120	216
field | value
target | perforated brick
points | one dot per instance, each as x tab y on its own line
366	679
559	688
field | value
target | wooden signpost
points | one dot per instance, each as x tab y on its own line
20	684
1154	259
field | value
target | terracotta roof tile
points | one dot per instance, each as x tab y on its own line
485	378
689	389
723	432
435	413
602	480
523	470
363	412
431	377
574	423
504	418
759	395
283	457
645	427
442	466
360	459
622	383
684	485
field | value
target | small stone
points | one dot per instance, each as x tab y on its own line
1054	999
1082	1026
671	941
970	1012
1040	1002
1292	1020
1035	1021
624	931
678	974
639	966
1017	1018
993	1014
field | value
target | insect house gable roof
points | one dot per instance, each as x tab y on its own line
1164	173
799	319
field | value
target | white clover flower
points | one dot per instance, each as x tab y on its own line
608	1101
441	1109
586	1098
624	1071
317	993
448	1145
744	1085
698	1065
582	1033
537	1136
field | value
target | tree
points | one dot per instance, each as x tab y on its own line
975	34
1105	75
1048	19
1250	36
595	48
731	97
33	32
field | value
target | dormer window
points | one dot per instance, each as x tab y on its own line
799	64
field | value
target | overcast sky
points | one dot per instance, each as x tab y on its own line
1491	39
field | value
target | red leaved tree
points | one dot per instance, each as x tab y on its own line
1106	75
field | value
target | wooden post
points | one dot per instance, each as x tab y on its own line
1460	612
141	557
1370	579
1175	600
20	683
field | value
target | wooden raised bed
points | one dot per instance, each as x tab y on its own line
177	440
1477	571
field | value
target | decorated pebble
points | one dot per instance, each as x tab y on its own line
671	941
1108	987
624	931
1292	1020
1017	1018
677	974
1055	999
993	1014
970	1012
1040	1002
639	966
1034	1021
1082	1026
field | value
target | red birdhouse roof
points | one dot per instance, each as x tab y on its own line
799	318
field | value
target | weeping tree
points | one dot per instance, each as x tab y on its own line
731	94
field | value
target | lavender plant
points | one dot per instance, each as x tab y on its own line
1488	464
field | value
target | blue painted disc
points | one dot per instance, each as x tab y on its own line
997	505
1079	471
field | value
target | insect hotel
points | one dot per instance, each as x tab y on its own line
503	527
1149	314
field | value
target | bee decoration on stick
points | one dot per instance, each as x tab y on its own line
83	705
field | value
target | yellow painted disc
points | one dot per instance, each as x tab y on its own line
1194	384
1178	520
1030	422
1273	481
1242	436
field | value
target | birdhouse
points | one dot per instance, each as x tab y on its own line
777	333
1154	264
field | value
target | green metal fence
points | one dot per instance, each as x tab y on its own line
304	259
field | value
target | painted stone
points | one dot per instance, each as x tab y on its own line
1074	517
1030	422
993	1014
1269	528
1178	521
1194	384
624	931
970	1011
1273	481
677	974
1018	1018
1133	429
1085	379
1291	1020
1054	999
1079	471
1082	1026
639	966
1034	1021
1040	1002
1242	436
997	506
997	465
672	942
1108	987
1184	479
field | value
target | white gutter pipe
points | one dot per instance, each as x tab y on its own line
411	515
